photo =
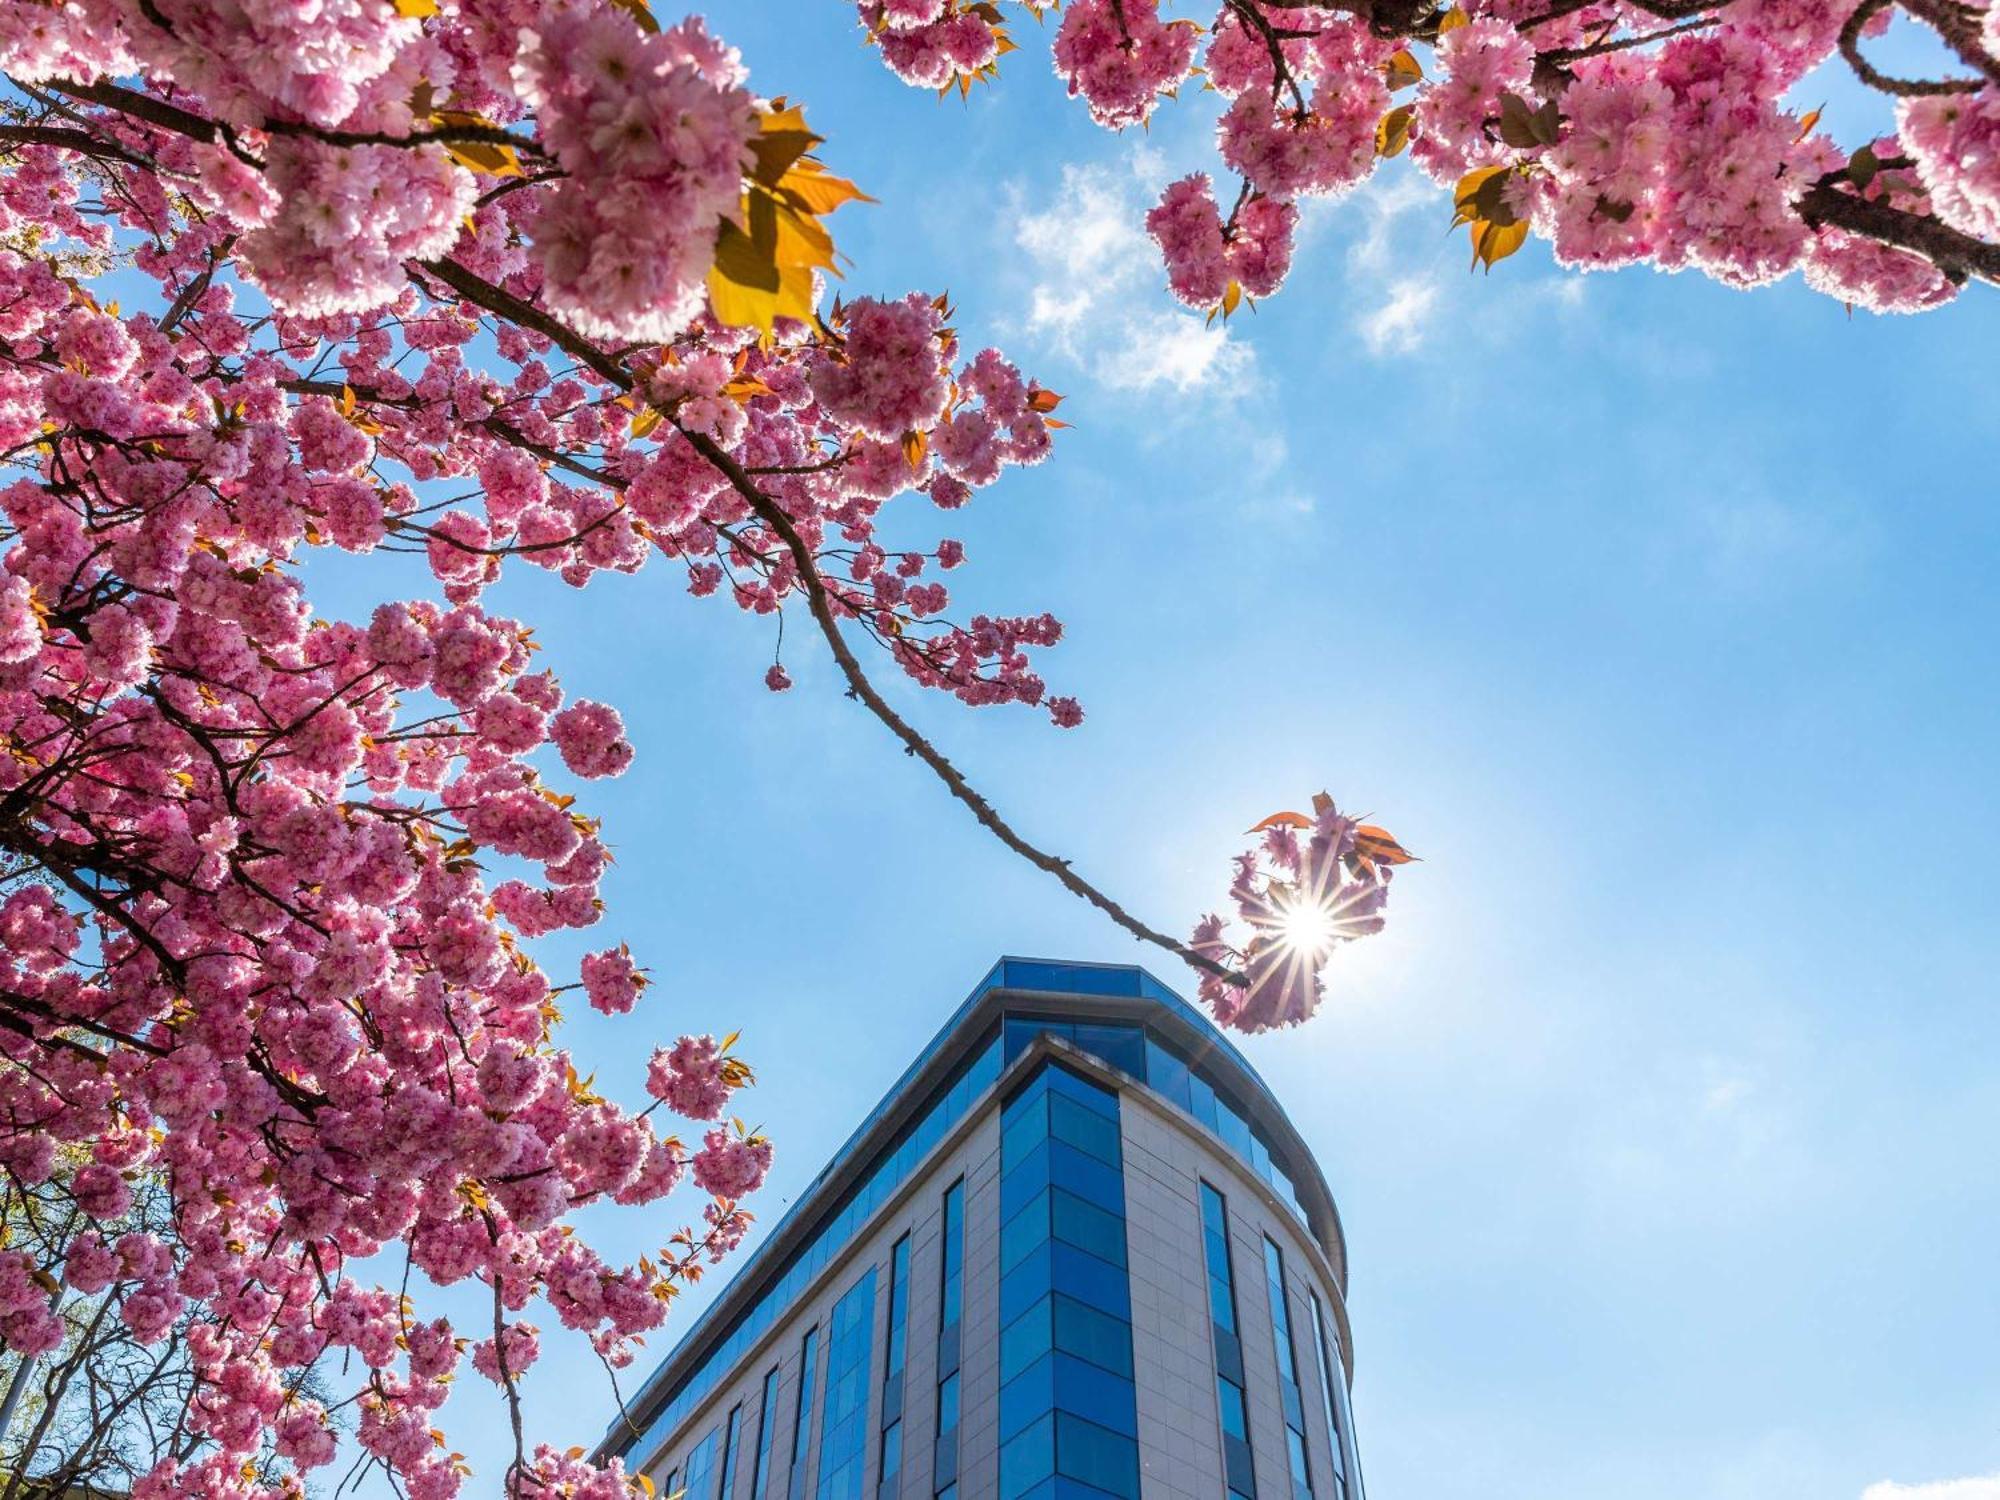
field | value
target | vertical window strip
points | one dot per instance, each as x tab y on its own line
700	1465
767	1423
1238	1468
1288	1372
843	1422
951	1292
725	1486
890	1463
1331	1381
1067	1408
802	1414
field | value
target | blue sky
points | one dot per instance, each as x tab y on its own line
1659	618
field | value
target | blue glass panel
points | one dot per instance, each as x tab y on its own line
701	1468
1099	1457
1122	1046
1027	1175
1086	1226
1086	1128
1070	979
1260	1157
1027	1397
1233	1128
1202	1094
1086	1176
767	1423
1092	1335
948	1404
1025	1232
1235	1420
1093	1282
1026	1339
1061	1081
1028	1459
843	1419
803	1412
1167	1074
725	1486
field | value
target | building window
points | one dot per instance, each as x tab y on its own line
843	1423
767	1423
951	1295
890	1465
1239	1472
1332	1386
1067	1411
790	1278
1288	1371
700	1468
802	1412
725	1487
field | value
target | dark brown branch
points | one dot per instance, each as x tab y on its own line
1958	255
1875	78
819	602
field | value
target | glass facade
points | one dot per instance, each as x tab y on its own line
1066	1402
951	1300
843	1423
701	1469
1068	1418
802	1414
1139	1051
946	1108
725	1485
1288	1372
1238	1469
890	1465
767	1423
1333	1394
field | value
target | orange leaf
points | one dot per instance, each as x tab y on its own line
1284	820
1042	401
1379	846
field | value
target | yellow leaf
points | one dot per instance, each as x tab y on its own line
915	444
781	140
644	421
763	268
1232	297
1402	70
811	189
416	10
1478	196
1453	19
1392	135
485	157
1492	242
1810	119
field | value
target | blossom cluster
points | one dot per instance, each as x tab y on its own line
1624	140
1297	899
280	960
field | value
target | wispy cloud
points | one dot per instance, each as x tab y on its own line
1099	295
1406	279
1986	1487
1401	323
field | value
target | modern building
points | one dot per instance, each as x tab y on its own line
1078	1253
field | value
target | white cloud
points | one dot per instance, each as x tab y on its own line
1099	295
1970	1488
1400	324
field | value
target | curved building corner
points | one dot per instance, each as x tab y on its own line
1077	1253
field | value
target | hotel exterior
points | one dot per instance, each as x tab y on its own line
1077	1253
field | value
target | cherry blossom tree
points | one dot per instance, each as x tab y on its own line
1625	132
497	284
